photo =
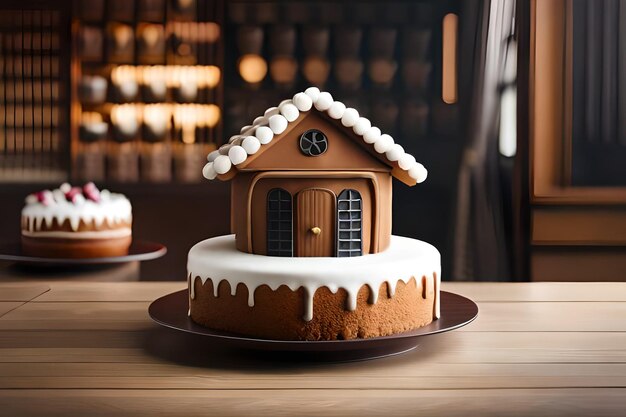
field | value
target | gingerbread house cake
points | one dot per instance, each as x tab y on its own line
312	256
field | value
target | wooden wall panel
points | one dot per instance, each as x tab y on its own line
578	226
576	233
580	264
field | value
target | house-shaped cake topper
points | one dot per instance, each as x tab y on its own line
312	178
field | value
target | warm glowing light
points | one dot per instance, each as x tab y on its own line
157	118
186	80
382	70
210	77
283	69
316	70
211	115
153	74
448	79
90	117
123	73
151	33
125	117
123	35
158	77
125	78
252	68
208	32
155	78
188	117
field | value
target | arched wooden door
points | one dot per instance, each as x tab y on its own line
315	222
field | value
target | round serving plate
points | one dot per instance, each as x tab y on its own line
138	251
456	311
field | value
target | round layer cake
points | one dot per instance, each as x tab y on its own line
76	222
306	298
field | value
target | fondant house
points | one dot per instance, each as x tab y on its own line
312	178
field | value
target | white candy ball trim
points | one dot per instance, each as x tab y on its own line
223	150
65	187
270	112
383	143
372	135
261	120
312	92
350	117
222	164
48	196
264	134
212	155
105	194
79	199
58	195
278	124
324	101
303	102
361	126
289	112
406	161
31	199
249	132
276	120
336	110
418	172
209	171
251	145
237	155
395	152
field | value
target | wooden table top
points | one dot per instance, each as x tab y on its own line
89	348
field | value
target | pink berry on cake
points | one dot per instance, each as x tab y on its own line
72	193
45	197
91	192
75	222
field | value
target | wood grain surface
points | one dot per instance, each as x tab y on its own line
89	348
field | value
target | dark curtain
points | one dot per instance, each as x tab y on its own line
598	93
481	243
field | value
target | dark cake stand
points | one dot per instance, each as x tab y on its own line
456	311
138	251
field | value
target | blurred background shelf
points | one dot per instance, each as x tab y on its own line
514	108
120	102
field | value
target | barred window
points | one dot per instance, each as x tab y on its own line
279	223
349	227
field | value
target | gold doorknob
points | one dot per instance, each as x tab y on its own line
316	230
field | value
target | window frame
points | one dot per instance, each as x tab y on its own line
281	194
341	198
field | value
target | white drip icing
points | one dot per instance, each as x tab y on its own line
217	259
189	285
114	210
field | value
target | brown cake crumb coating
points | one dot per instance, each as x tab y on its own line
279	314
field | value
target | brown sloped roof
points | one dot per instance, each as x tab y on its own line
222	163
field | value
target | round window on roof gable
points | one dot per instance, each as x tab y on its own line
313	143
